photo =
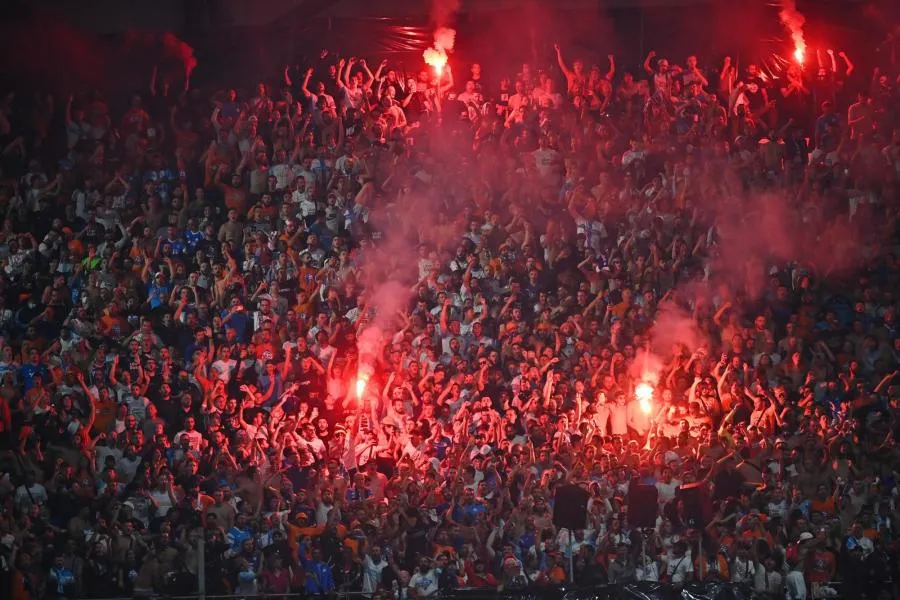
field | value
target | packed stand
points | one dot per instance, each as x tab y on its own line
192	287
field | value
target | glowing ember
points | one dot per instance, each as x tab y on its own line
644	394
361	386
436	58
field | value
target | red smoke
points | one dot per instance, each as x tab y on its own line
794	20
443	11
176	48
163	47
442	14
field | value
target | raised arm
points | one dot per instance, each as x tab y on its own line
831	60
343	72
370	77
562	62
648	62
848	63
726	75
305	86
381	67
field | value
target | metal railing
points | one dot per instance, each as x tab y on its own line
337	595
593	592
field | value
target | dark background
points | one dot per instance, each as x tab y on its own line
61	46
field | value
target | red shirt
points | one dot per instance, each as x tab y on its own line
820	566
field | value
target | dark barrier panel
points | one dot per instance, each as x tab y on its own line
634	591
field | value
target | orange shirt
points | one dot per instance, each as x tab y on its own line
204	502
22	586
296	534
306	279
556	574
104	414
114	326
823	506
235	198
703	567
619	310
448	550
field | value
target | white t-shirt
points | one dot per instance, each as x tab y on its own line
194	438
372	574
678	569
284	176
771	582
26	497
127	468
307	206
795	586
647	572
353	97
667	490
329	100
137	405
101	452
75	132
426	584
223	369
618	414
743	571
547	162
163	502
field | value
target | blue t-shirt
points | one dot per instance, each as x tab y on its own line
191	239
239	322
28	372
177	245
237	537
158	294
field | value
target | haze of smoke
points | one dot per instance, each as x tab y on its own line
442	14
444	39
776	230
673	327
647	367
179	49
55	54
443	11
793	20
385	301
753	234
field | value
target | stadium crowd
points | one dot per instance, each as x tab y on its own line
193	286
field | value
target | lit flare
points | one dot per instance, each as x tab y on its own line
644	394
361	383
436	58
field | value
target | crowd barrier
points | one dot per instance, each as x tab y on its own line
632	591
645	591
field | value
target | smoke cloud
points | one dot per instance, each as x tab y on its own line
384	303
436	56
794	20
442	14
673	327
180	50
